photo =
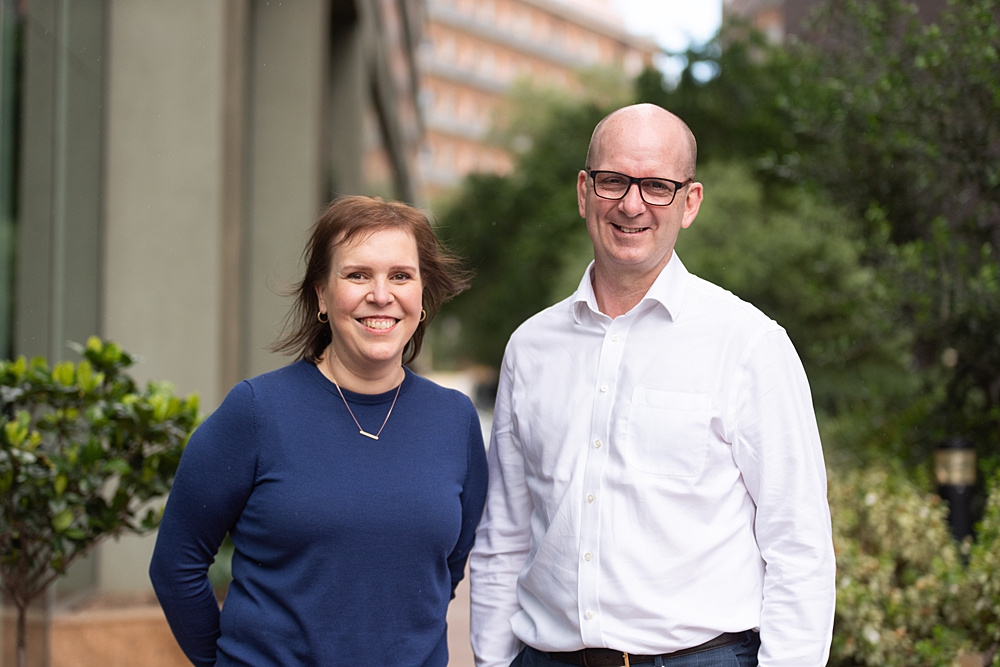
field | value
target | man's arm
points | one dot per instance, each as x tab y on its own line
503	538
777	448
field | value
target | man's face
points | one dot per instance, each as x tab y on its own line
631	238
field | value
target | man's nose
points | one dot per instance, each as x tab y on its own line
632	203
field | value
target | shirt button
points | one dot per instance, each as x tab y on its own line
604	388
614	338
588	556
590	498
590	614
598	443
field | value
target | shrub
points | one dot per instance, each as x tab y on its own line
904	594
82	451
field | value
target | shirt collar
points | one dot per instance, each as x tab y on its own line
667	290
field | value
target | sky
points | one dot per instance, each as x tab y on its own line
674	24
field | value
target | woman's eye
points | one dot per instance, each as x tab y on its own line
399	277
355	276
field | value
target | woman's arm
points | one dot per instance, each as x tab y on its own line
214	480
473	499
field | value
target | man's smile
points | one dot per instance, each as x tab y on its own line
629	230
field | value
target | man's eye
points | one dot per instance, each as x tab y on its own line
657	187
612	181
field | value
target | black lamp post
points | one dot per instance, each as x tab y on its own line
955	469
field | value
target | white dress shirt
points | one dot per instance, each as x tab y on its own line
655	480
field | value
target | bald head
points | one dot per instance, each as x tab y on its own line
647	118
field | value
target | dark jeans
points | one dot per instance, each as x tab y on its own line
743	654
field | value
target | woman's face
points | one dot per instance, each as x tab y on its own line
373	297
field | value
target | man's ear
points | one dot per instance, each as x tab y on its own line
692	202
581	193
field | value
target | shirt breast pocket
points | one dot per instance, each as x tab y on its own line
668	432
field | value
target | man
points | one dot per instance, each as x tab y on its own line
657	488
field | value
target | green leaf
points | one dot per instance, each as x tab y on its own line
18	367
63	373
15	433
85	376
92	452
120	466
111	354
62	521
60	484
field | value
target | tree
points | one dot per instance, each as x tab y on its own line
82	452
895	122
902	123
799	258
518	231
741	111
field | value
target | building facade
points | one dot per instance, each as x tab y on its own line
160	166
474	50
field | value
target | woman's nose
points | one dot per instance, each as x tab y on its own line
380	293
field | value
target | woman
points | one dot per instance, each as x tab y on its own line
351	487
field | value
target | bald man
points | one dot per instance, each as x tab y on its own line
657	489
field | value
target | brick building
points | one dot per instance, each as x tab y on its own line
473	50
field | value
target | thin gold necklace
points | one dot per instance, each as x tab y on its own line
373	436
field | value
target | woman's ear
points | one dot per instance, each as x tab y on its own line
321	297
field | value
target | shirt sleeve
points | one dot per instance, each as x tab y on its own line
503	538
214	479
777	448
472	498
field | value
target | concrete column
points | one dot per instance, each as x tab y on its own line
163	231
59	225
289	46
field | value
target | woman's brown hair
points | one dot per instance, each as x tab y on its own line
441	272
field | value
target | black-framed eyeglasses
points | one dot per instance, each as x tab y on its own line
654	191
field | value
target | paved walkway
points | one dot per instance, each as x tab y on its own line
459	649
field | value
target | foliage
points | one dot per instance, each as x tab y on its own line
983	602
741	112
896	122
800	260
901	120
82	451
904	595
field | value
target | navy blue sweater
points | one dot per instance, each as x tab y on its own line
348	549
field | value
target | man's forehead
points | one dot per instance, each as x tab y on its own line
640	142
642	134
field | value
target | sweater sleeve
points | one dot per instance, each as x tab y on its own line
473	498
214	480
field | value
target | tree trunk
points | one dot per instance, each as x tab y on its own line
22	635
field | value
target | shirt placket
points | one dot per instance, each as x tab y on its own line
589	557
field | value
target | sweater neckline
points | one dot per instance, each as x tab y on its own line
353	396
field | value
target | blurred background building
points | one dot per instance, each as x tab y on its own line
162	162
474	50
